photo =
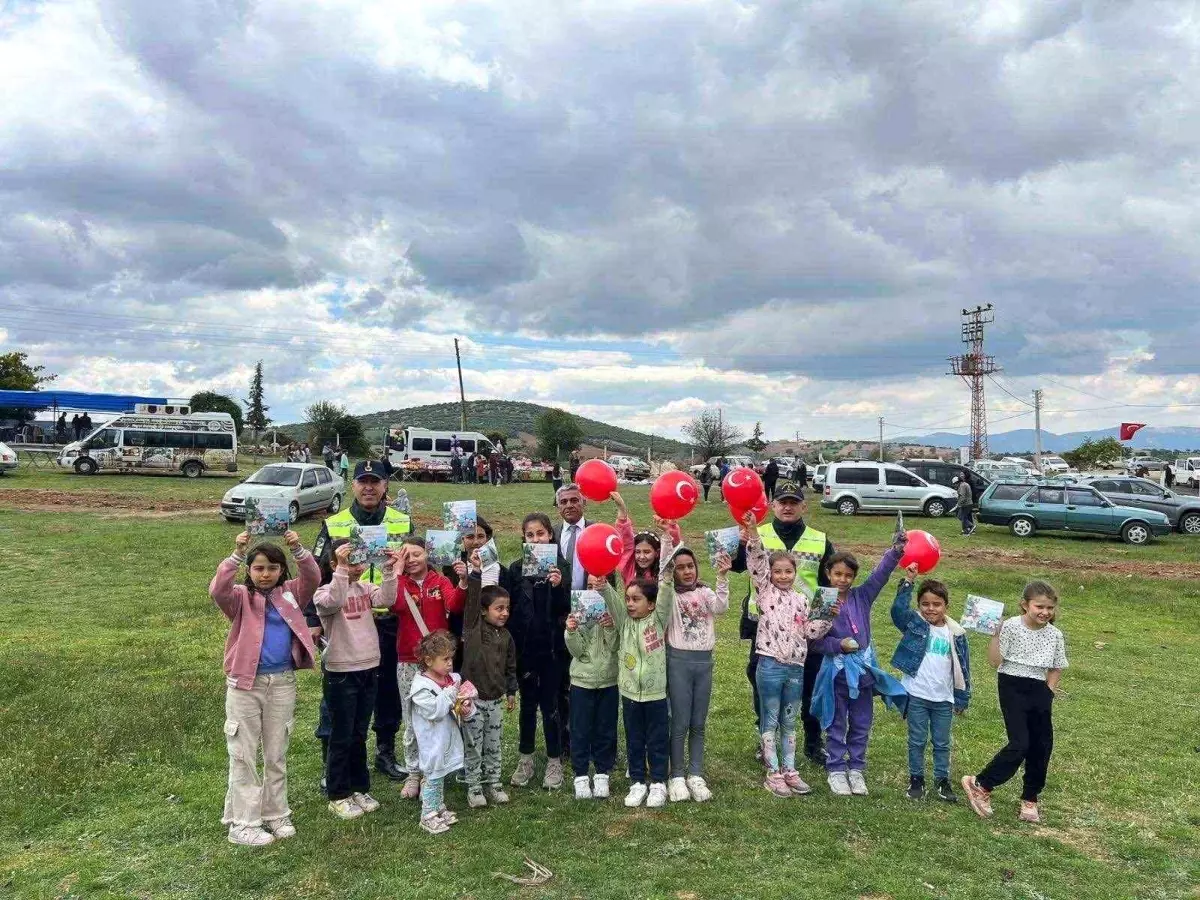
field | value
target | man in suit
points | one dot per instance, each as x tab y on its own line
570	505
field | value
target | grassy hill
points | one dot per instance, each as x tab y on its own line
510	418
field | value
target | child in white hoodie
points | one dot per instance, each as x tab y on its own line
434	694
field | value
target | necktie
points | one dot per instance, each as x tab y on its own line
569	553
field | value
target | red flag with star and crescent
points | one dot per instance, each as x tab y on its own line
1129	429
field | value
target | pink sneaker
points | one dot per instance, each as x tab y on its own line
1029	812
980	800
795	783
776	784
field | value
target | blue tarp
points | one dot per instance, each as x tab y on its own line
74	400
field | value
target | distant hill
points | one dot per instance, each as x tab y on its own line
511	418
1022	439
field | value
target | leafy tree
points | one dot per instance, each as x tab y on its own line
1090	454
208	401
17	375
557	433
256	411
756	444
330	422
712	435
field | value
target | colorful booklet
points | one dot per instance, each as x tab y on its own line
723	540
587	607
983	615
267	516
488	554
821	609
368	545
538	559
459	515
402	503
443	547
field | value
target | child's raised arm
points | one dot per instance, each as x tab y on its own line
756	563
612	601
624	525
666	564
880	574
902	612
222	588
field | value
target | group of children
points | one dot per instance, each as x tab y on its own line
648	650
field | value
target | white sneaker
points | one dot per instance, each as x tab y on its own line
658	795
524	771
497	794
434	824
699	789
345	808
553	779
858	784
365	802
600	787
677	789
281	827
475	799
250	836
839	784
637	793
583	788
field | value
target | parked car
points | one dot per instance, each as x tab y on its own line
883	487
1149	463
308	488
1183	512
735	462
1025	465
818	476
937	471
1187	471
1054	465
8	459
630	468
990	468
1027	508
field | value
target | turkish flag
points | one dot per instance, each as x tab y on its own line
1129	429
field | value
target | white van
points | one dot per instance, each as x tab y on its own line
883	487
405	444
158	441
1187	471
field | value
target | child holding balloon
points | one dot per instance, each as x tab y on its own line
642	551
850	675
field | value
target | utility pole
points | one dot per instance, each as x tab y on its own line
1037	429
972	367
881	438
462	397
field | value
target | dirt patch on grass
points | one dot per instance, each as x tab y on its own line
37	500
1024	559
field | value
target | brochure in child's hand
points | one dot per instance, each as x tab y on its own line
723	540
538	559
368	545
823	604
442	546
587	607
983	615
488	554
267	516
459	515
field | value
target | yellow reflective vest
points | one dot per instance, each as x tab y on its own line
808	552
398	525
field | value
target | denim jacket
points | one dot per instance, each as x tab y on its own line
914	639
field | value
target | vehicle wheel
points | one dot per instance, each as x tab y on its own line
847	506
85	465
232	520
935	508
336	504
293	511
1190	523
193	469
1022	526
1136	533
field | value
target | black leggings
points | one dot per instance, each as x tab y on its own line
1025	704
539	692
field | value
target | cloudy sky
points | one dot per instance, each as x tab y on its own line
629	208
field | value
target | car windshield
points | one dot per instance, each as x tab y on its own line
280	476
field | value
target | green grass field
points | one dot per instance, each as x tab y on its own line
114	766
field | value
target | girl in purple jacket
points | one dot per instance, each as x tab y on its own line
848	644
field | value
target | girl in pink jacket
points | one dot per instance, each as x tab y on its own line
642	551
269	639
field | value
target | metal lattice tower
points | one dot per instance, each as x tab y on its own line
972	366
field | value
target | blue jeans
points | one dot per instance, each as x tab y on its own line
780	689
928	719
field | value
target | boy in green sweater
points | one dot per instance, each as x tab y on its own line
642	677
592	640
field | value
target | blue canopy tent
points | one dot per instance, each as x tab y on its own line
77	401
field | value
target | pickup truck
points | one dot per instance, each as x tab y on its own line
1187	471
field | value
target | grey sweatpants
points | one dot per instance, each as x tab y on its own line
484	731
689	688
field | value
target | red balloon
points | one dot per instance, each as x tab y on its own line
923	549
741	488
599	548
596	480
760	510
674	495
